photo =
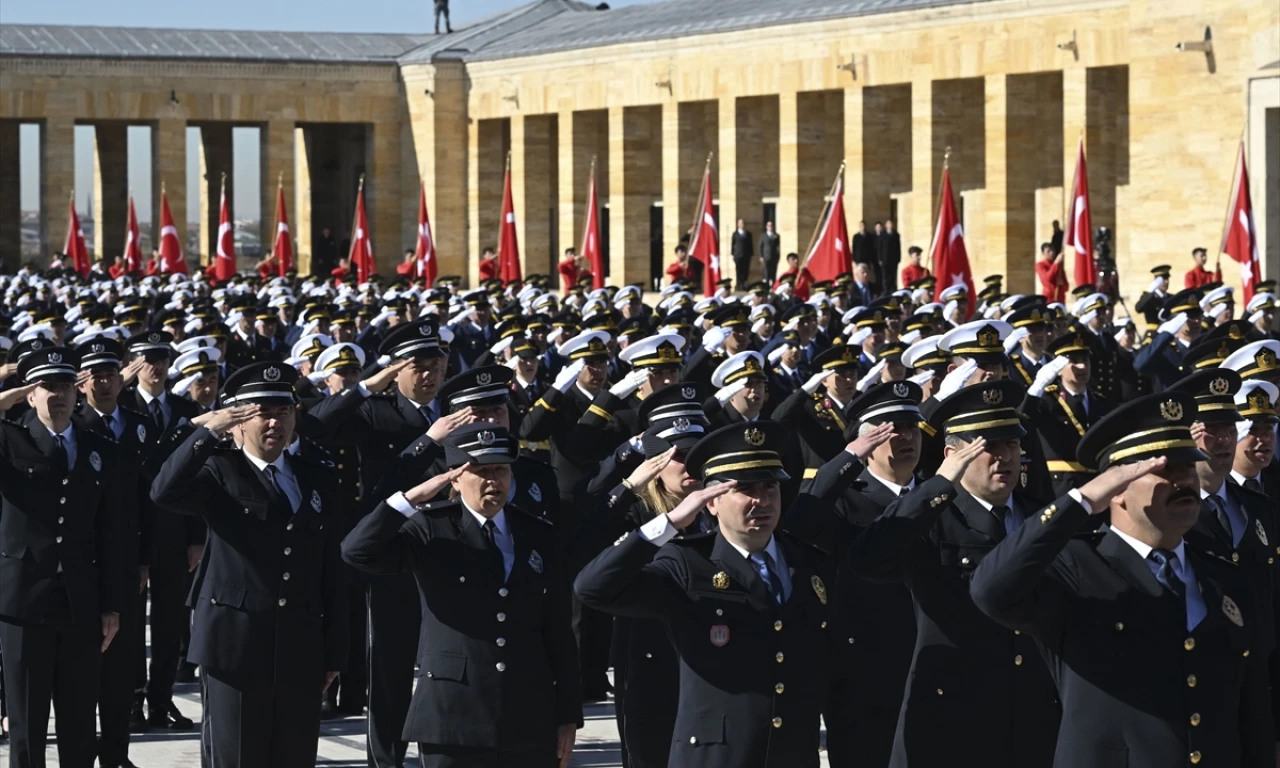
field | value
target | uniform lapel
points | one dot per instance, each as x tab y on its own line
1125	561
804	583
741	572
472	537
411	414
979	518
308	498
41	436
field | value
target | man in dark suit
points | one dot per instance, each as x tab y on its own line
862	291
743	249
746	609
68	563
135	437
770	252
270	624
491	691
864	246
1156	648
965	666
889	255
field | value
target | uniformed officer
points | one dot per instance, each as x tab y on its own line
68	563
1155	647
816	411
613	415
497	681
729	334
1025	360
742	395
975	688
269	629
1256	360
746	610
1161	358
1255	468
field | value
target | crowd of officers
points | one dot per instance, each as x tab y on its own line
985	530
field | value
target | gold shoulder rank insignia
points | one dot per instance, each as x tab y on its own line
1232	610
819	588
720	580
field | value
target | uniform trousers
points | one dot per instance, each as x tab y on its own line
116	689
259	726
51	662
395	616
352	685
858	735
451	756
170	620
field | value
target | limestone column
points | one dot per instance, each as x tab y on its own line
531	191
572	170
788	224
635	181
472	257
727	186
853	171
10	196
672	225
57	179
489	158
382	193
216	159
279	165
450	183
991	255
300	221
110	189
918	218
169	172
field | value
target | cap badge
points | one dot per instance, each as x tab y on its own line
819	588
97	348
1171	410
271	374
1232	610
483	378
1259	401
681	424
486	438
535	561
993	397
95	461
424	329
754	437
750	364
37	344
988	337
154	338
1265	358
1234	333
720	635
55	357
689	393
315	500
720	580
1262	532
1219	387
901	390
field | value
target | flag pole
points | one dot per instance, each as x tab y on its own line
826	212
937	209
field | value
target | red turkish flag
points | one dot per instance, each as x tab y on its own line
508	245
132	242
170	247
1079	234
591	250
74	249
1239	238
706	243
424	258
948	255
831	254
282	248
361	254
224	265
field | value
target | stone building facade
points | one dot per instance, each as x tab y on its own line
776	94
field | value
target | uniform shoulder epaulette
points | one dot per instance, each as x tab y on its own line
1051	388
694	539
530	515
439	508
383	395
1226	560
133	411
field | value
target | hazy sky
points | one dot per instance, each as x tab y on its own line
325	16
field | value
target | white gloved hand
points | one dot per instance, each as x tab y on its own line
630	383
724	394
956	379
713	340
1046	375
721	293
872	377
1011	343
816	380
501	345
1173	326
462	317
568	376
784	291
1156	285
922	378
757	325
512	363
777	353
555	335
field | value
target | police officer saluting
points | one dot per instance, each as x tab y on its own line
498	669
269	629
68	563
1157	649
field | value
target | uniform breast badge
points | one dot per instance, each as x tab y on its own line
819	589
535	561
1232	610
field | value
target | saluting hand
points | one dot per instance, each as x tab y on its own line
131	370
431	488
219	421
383	378
1102	489
648	470
687	511
953	466
446	424
7	370
866	444
12	397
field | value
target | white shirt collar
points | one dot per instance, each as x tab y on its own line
499	520
523	383
839	405
1144	550
771	549
785	369
1241	478
1221	493
280	464
988	506
67	434
107	417
584	392
147	397
897	489
1071	391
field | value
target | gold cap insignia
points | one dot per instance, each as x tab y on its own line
750	365
1171	410
993	397
1234	333
1259	401
1265	358
754	437
1232	610
988	337
720	580
819	588
1219	387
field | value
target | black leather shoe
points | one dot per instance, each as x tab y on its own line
137	720
170	718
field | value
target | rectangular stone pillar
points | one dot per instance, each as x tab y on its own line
279	166
216	159
991	254
689	136
169	172
788	224
918	218
757	159
532	188
10	196
886	161
820	148
300	216
382	193
110	189
1034	140
449	191
635	182
581	136
727	186
489	142
853	156
57	180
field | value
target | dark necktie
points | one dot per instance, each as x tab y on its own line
765	561
1167	575
903	491
1012	522
60	454
274	480
427	414
1252	484
157	414
1220	514
491	535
